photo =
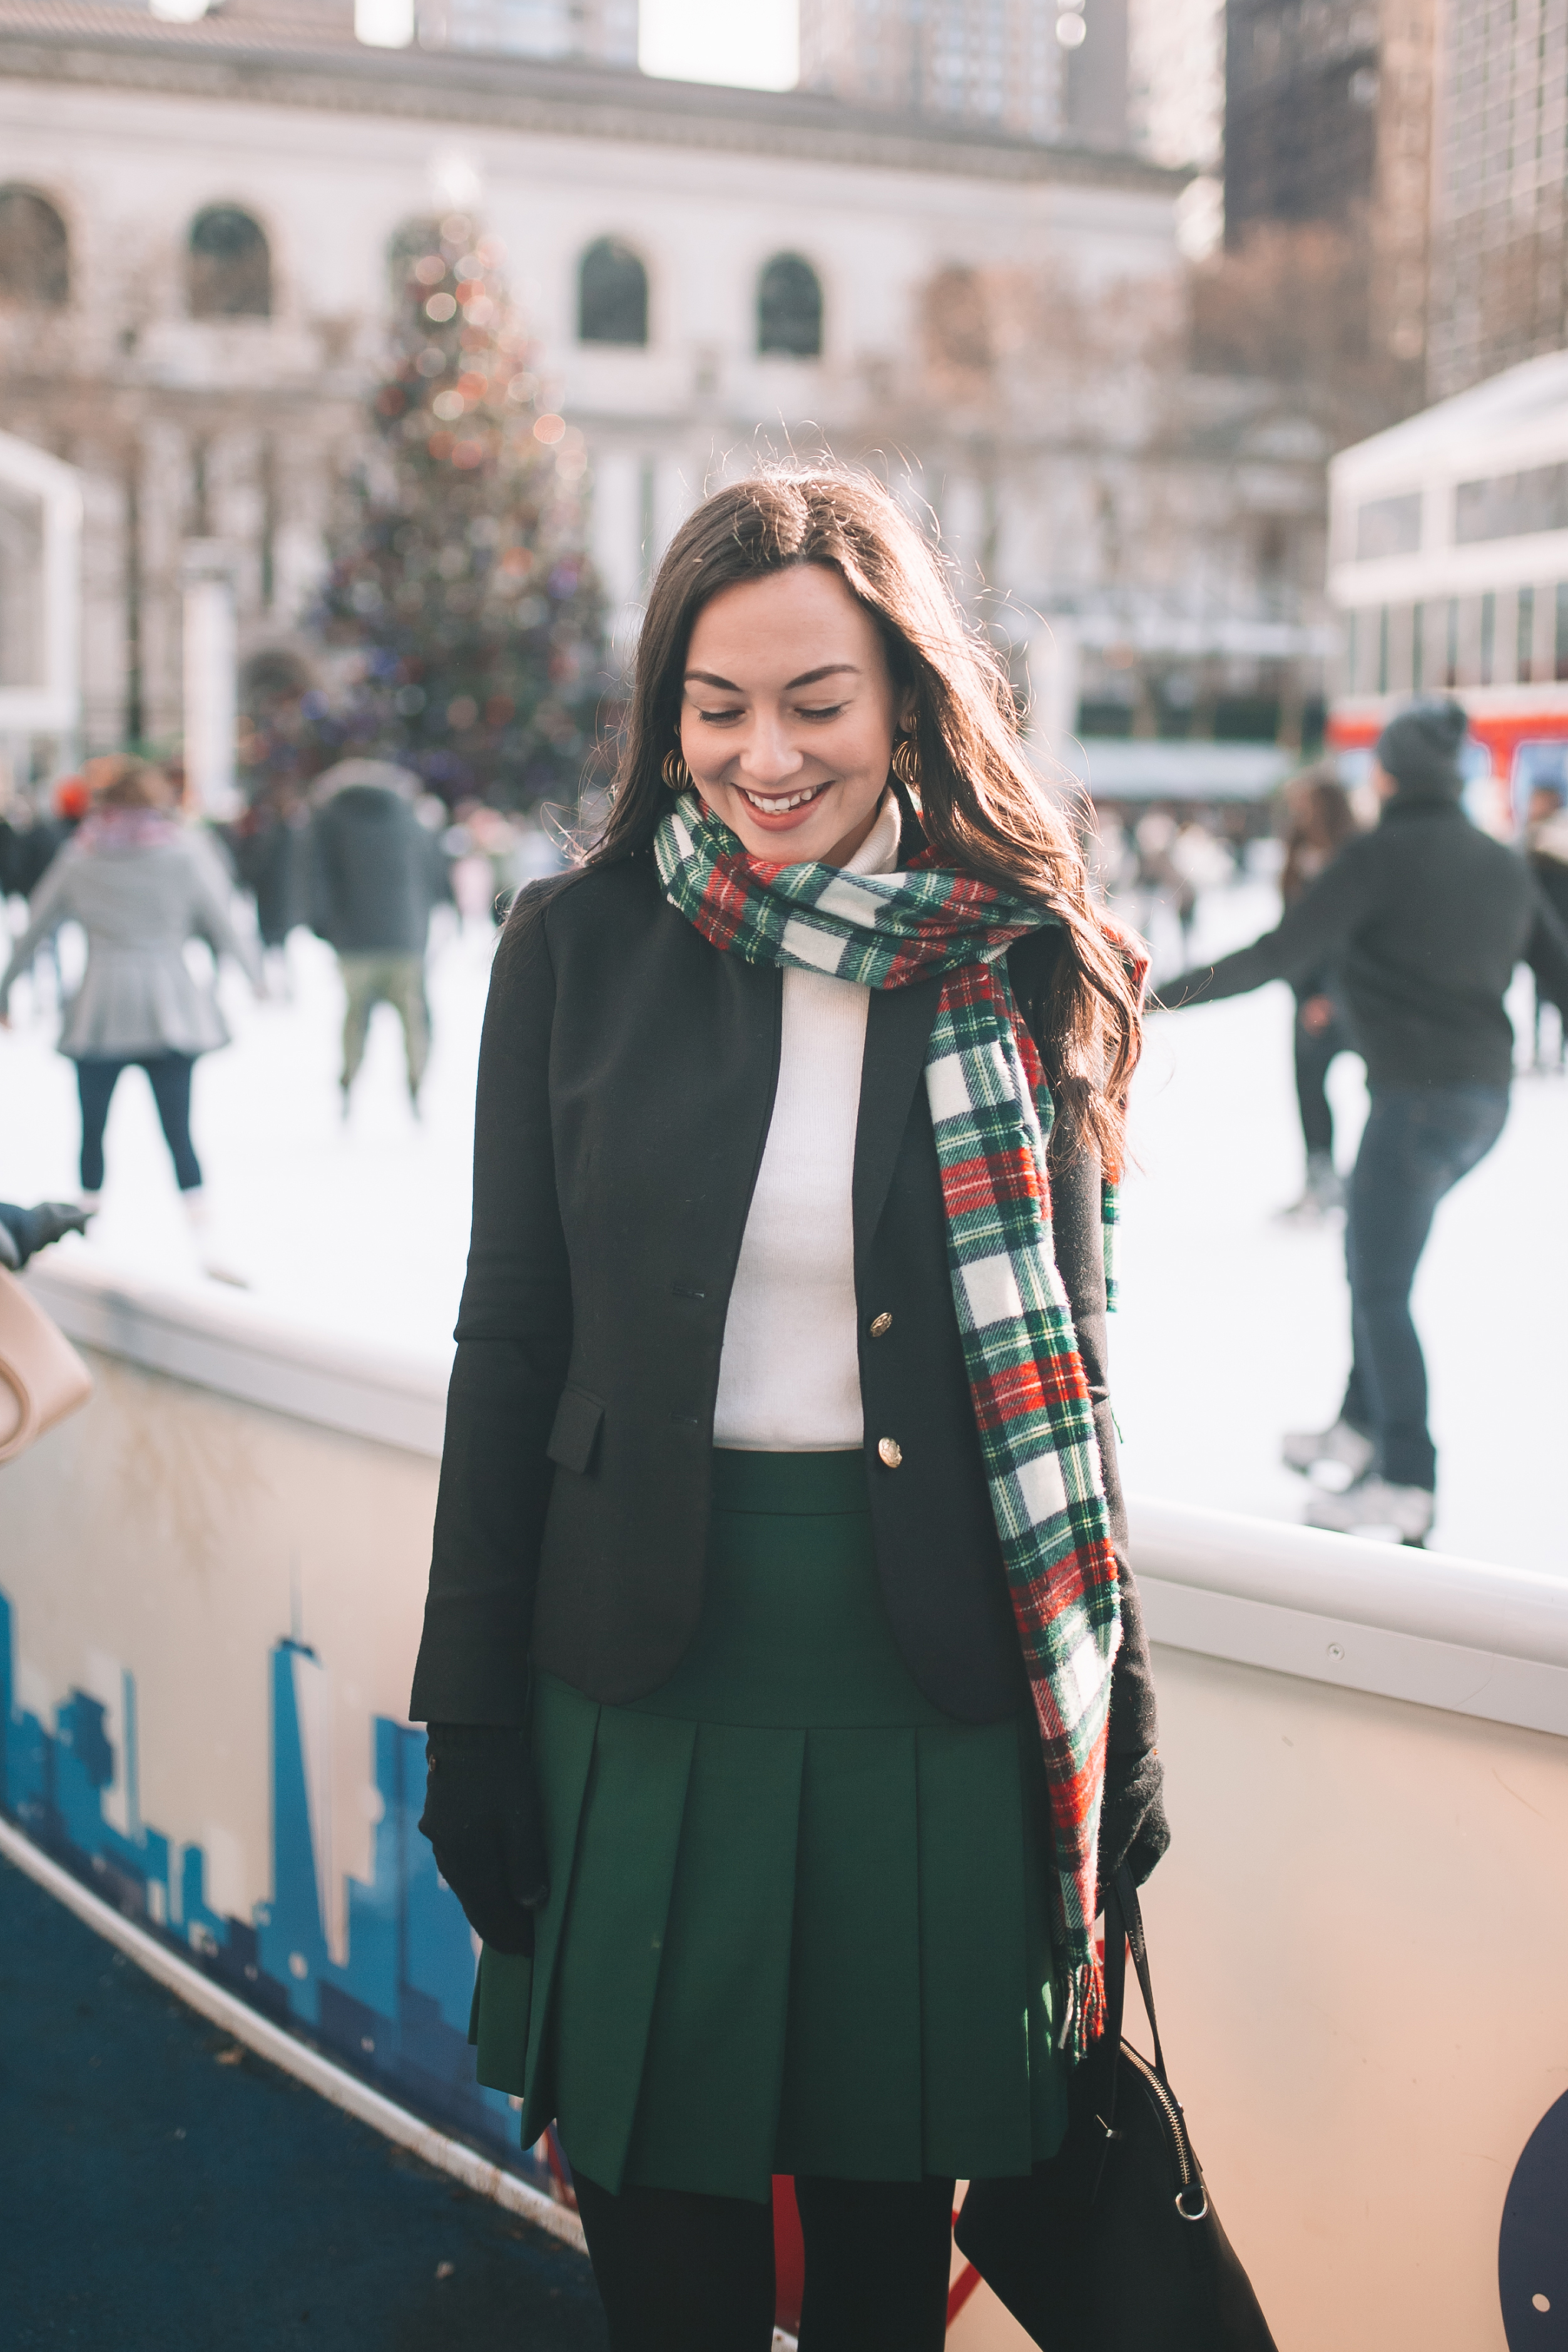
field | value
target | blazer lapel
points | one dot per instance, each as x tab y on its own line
897	1030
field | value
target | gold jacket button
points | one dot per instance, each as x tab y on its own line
890	1452
880	1325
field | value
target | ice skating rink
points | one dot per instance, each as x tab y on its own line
1233	1327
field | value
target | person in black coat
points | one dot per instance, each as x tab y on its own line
1546	848
736	1763
372	874
1319	820
1424	919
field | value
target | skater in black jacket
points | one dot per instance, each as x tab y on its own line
1424	919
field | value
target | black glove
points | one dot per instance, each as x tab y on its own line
1132	1825
482	1818
29	1230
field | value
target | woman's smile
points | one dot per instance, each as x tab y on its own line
776	810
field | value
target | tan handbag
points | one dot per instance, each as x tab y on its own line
42	1377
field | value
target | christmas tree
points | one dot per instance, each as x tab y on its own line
459	590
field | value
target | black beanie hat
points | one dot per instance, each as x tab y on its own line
1420	750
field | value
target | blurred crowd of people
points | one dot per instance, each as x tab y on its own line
364	863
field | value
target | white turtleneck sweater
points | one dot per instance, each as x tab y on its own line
789	1379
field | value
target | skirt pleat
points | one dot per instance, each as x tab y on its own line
852	2097
714	2066
797	1918
609	1966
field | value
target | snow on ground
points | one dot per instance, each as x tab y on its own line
1233	1327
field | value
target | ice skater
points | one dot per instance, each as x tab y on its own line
1424	919
1546	846
373	874
1319	820
142	886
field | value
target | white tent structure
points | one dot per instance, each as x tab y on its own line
40	594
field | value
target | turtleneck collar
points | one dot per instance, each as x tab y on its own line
878	852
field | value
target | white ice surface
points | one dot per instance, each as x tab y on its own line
1233	1329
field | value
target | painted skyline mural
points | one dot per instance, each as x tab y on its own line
395	2011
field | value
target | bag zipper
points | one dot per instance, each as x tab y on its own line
1175	2131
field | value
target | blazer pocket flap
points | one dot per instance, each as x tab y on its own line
574	1434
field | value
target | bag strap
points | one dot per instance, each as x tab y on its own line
1123	1895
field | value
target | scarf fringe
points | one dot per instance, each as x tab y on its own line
1083	2006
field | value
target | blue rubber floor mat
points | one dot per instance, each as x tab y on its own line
157	2190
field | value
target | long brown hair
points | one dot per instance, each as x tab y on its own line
1319	818
979	805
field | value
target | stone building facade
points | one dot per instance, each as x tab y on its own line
1436	134
1036	68
195	226
1500	275
1329	118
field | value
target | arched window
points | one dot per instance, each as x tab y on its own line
34	251
789	308
612	295
229	268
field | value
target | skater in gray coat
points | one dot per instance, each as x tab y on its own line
140	885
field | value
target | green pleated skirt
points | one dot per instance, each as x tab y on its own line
797	1918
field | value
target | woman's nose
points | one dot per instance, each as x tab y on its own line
768	756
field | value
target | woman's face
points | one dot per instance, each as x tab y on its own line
788	717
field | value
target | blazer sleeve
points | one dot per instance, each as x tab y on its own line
514	1338
1133	1828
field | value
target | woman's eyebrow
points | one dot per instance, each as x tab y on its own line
806	678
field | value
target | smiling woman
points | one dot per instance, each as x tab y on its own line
787	1692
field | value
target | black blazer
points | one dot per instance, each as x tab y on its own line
626	1081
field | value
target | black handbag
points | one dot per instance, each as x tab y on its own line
1112	2245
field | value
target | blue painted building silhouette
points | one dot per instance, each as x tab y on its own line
396	2010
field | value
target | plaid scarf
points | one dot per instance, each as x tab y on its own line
991	1114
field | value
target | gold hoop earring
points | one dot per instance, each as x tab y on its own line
676	775
907	763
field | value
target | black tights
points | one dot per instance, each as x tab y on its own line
681	2272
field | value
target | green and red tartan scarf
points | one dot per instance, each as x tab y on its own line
991	1113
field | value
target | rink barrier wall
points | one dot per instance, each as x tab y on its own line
224	1341
1466	1636
211	1586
